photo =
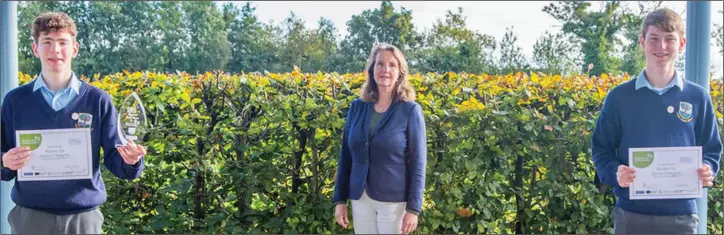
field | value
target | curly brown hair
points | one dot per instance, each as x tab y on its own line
403	88
48	22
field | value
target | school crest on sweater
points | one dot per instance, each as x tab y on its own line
685	110
84	120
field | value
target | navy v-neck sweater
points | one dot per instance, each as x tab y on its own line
640	118
24	109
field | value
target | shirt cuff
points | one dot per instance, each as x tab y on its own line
2	166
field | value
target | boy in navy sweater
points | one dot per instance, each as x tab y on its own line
656	109
57	99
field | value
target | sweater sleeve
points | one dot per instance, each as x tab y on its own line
707	135
604	142
8	137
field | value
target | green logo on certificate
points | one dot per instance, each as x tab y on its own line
30	140
643	159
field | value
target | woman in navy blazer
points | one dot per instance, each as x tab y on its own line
384	150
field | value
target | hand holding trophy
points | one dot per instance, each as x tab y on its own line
132	127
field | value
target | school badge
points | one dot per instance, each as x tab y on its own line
685	110
84	120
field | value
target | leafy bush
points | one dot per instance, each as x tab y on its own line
253	153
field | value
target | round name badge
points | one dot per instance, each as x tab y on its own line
74	116
670	109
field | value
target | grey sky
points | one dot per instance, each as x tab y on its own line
488	17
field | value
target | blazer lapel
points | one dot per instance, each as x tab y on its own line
366	119
388	114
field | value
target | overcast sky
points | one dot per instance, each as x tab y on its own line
527	18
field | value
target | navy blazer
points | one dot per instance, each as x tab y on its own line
390	164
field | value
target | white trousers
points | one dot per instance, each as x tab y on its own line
374	217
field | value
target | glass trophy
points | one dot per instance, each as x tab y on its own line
132	119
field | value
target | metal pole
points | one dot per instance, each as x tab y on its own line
698	30
9	78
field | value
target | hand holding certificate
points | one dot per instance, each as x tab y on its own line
665	173
706	176
57	154
16	158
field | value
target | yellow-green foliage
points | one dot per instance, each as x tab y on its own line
253	153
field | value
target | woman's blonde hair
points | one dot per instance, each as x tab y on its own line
403	89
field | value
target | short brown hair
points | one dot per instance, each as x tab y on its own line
52	22
664	19
403	89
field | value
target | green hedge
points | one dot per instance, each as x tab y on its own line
253	153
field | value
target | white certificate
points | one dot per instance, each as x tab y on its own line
665	173
57	154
